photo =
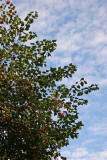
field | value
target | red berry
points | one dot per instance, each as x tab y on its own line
2	19
42	129
0	56
43	138
6	117
11	4
62	114
44	125
13	8
8	2
29	83
33	148
30	104
68	107
15	75
2	22
44	152
60	106
4	109
0	76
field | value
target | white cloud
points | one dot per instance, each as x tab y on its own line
99	128
103	82
59	61
78	58
99	37
84	154
87	142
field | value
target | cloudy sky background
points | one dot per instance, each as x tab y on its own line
80	27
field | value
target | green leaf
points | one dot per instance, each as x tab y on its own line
82	84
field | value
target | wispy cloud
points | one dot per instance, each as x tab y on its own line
84	154
99	128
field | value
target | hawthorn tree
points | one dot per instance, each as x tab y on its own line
29	95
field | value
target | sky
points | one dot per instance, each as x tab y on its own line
80	27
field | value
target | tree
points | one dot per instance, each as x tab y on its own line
29	95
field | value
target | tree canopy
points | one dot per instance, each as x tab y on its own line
29	94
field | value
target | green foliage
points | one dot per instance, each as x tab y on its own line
29	96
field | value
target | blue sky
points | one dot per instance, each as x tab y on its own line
80	27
